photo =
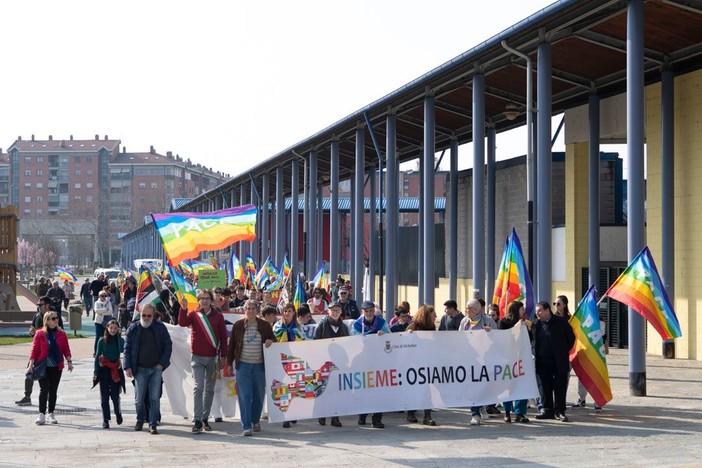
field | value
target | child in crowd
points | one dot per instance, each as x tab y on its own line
108	372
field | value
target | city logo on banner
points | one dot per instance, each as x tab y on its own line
307	382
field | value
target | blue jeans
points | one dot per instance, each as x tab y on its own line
88	300
251	384
99	332
148	379
516	407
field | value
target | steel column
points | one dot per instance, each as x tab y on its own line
334	239
279	218
479	185
265	223
351	232
320	224
594	191
255	253
453	221
392	209
358	223
543	166
490	215
372	236
312	207
294	250
428	195
420	235
635	181
668	192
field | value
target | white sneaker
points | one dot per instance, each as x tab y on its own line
40	420
247	433
257	427
475	420
51	419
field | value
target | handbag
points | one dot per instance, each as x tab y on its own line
38	372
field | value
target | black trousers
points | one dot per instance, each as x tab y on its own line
28	386
109	390
49	387
553	389
375	417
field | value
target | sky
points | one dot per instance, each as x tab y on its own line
225	83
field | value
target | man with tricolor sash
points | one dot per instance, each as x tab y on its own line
208	344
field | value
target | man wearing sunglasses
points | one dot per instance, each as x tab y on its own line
147	353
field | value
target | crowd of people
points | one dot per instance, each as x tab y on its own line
146	347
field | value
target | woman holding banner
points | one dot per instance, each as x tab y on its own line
513	317
287	329
245	353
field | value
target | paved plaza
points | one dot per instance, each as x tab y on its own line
662	429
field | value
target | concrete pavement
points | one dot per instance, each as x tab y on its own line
663	429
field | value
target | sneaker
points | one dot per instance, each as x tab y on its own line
322	421
578	404
598	409
197	428
247	433
378	425
218	419
40	420
521	419
335	422
411	417
257	427
206	425
492	410
51	419
286	424
545	415
153	430
106	424
562	417
26	401
119	419
475	420
139	426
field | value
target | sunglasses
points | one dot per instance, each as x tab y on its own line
557	303
146	316
53	318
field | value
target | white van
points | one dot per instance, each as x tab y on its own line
154	264
110	273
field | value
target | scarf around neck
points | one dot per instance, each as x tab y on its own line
285	332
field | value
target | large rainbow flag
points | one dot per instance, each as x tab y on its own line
66	275
587	355
640	287
513	282
185	235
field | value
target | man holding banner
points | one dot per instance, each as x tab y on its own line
208	344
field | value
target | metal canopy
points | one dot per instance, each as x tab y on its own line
589	53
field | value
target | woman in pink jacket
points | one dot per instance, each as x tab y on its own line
51	344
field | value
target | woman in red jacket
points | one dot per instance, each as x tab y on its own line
51	344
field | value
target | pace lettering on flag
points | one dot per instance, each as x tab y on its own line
588	353
640	287
185	235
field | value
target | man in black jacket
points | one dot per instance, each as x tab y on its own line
86	296
553	339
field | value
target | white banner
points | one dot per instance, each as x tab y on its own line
397	371
179	384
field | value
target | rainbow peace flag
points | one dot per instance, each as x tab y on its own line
286	266
640	287
234	269
183	288
185	235
513	282
65	274
249	270
299	297
587	355
263	274
318	279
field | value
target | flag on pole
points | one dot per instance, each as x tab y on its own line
587	355
185	235
183	288
299	297
318	279
640	287
249	271
213	261
65	274
146	291
286	266
262	274
234	269
513	282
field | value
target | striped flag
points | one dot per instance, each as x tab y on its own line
234	269
183	288
65	274
249	271
299	297
318	279
640	287
262	274
587	355
513	282
185	235
146	290
286	266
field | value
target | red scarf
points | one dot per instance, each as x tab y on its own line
113	366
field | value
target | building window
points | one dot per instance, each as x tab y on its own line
40	185
27	159
89	198
89	172
27	186
27	173
76	186
77	172
154	185
40	159
89	158
76	198
27	212
142	185
77	159
28	199
40	199
40	172
89	185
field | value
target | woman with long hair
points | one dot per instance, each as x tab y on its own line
108	372
49	348
424	320
514	315
561	304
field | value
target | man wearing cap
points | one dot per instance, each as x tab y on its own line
335	287
349	307
452	317
370	324
331	326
